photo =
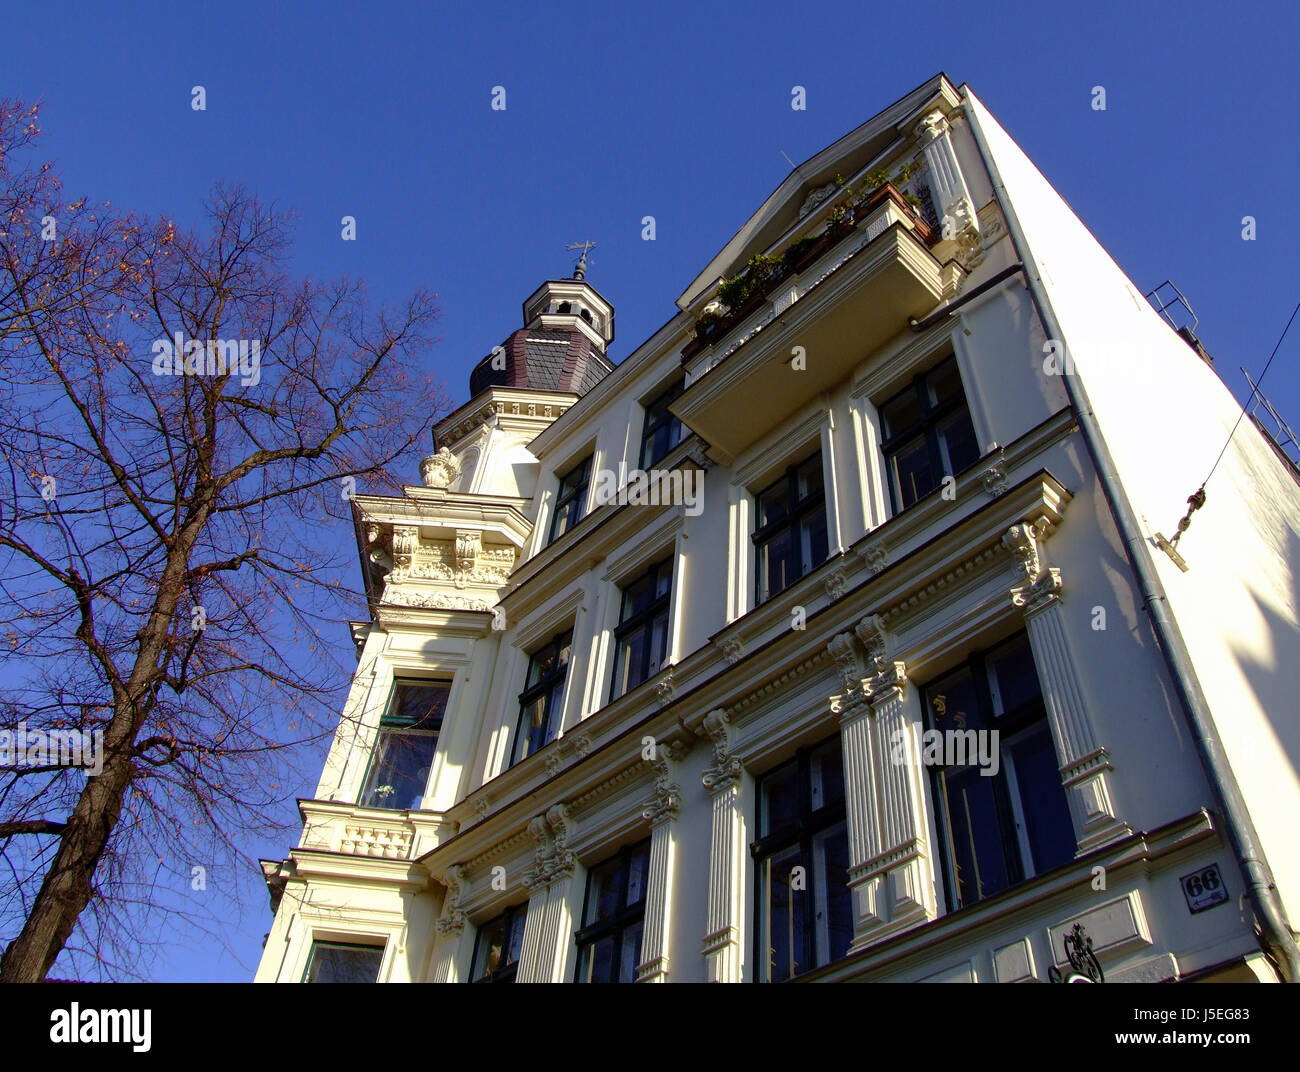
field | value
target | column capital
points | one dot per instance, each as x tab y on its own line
1042	583
553	860
452	921
932	125
666	798
725	771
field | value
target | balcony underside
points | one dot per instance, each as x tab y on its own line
839	321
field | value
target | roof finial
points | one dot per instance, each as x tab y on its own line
580	269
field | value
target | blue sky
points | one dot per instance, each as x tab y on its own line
682	112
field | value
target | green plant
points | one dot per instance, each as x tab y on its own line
904	173
706	321
877	178
796	250
733	292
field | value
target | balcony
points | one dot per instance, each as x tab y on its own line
854	296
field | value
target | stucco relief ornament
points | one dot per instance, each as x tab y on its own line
732	649
841	650
440	470
664	688
1042	584
871	632
726	769
816	197
452	920
995	476
876	557
835	584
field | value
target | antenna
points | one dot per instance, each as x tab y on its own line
580	269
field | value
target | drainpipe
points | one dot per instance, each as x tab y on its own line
1274	931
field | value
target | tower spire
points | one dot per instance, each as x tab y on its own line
580	269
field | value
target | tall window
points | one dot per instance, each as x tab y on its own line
927	434
338	962
497	946
805	914
570	499
609	941
662	431
996	828
408	738
641	639
543	696
790	540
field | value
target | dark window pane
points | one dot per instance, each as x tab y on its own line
631	953
826	773
779	802
776	565
605	891
774	503
829	887
638	874
976	835
813	542
417	705
602	960
900	414
957	442
954	703
337	963
912	472
1047	815
1013	680
944	382
399	770
784	913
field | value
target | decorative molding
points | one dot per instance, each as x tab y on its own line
995	476
666	799
835	583
817	197
440	470
664	688
452	921
840	649
875	556
725	770
554	860
732	648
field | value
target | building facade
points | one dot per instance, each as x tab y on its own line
837	633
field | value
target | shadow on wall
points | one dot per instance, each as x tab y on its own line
1276	678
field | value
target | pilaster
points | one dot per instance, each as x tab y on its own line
1085	763
723	781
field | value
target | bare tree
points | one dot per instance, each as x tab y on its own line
179	418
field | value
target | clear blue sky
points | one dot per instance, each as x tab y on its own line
678	111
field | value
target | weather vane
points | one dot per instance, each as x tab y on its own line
580	269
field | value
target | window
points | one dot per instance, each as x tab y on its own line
996	829
927	434
497	947
609	942
790	540
408	738
337	962
570	499
805	914
662	431
543	696
641	639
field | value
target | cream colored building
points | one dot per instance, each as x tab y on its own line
908	692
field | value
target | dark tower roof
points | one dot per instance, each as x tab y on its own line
543	359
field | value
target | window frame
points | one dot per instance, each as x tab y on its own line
650	426
926	425
800	833
387	727
586	936
516	913
335	943
1009	804
543	687
643	619
570	504
799	510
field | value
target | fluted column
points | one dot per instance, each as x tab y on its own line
453	943
1084	762
951	194
661	813
725	907
890	870
549	922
